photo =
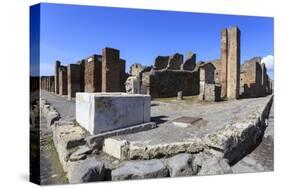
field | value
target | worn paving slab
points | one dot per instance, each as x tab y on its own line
214	117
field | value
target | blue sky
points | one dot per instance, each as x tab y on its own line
72	32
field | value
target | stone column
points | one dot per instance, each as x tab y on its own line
57	65
224	53
233	63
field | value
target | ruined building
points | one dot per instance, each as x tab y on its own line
246	80
167	77
134	82
209	90
96	73
214	80
254	82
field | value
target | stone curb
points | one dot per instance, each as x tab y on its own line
69	139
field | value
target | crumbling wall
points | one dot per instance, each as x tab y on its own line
190	62
173	62
161	62
209	90
166	83
252	78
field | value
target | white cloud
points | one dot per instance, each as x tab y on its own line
268	61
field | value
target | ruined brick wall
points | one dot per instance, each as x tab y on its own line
113	71
173	62
63	80
252	79
73	79
92	74
161	62
207	73
190	62
166	83
209	92
217	65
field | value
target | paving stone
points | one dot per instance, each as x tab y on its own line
140	170
87	170
181	165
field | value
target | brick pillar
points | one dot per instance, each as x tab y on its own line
73	79
233	63
62	80
92	73
224	53
57	66
110	70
